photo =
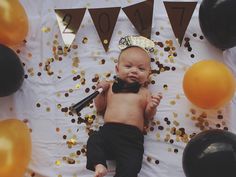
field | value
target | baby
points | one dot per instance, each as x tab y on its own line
121	136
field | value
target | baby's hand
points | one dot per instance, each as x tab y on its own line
104	85
155	100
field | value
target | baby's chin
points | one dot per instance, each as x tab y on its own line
131	81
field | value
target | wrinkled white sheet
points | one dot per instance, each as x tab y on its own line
58	143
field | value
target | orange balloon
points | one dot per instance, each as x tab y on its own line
15	148
13	22
209	84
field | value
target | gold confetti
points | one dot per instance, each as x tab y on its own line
70	90
176	123
105	41
58	162
90	119
177	96
45	29
85	40
175	114
77	86
170	57
58	94
71	142
73	71
82	73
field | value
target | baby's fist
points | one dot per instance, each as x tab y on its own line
104	85
155	100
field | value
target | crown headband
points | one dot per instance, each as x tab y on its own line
138	41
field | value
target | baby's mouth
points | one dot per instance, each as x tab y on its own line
133	79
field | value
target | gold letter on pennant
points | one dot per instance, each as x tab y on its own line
140	16
104	20
179	14
69	21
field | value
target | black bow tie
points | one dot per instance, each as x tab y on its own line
121	86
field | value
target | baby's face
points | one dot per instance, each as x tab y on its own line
134	65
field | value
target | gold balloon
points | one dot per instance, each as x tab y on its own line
209	84
13	22
15	148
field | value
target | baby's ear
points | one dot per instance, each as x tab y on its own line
150	75
117	69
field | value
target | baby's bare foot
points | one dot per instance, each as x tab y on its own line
100	170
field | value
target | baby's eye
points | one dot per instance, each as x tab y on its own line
142	69
127	66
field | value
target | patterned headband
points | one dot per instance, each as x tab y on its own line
138	41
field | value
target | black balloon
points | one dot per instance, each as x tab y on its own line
211	153
11	71
218	22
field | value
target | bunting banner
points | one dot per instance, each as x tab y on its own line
140	16
69	21
105	20
180	14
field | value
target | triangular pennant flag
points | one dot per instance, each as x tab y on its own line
69	21
179	14
104	20
140	16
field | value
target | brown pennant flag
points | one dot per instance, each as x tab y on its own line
104	20
179	14
140	16
69	21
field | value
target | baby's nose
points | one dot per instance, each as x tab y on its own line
134	70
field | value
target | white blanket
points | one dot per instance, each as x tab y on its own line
56	81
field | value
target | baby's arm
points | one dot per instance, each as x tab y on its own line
101	100
153	102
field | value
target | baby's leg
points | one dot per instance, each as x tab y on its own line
129	165
95	152
129	152
100	170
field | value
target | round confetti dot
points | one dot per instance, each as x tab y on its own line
153	82
48	109
78	152
87	90
165	86
160	127
105	41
